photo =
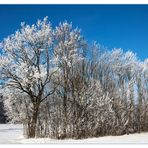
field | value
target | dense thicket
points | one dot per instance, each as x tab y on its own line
58	86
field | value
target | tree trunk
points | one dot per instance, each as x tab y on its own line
65	116
32	127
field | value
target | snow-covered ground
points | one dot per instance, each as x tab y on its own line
10	133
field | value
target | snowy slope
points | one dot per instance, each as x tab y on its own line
13	134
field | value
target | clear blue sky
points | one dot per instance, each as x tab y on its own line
120	26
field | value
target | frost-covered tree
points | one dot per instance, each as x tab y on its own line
27	67
68	50
58	86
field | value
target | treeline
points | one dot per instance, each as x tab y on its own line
59	87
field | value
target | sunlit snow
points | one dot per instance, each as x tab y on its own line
10	133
